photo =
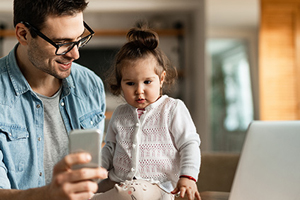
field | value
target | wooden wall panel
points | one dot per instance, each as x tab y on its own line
278	65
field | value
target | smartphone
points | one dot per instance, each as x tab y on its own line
86	140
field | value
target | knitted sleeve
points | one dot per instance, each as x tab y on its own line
186	139
107	153
108	150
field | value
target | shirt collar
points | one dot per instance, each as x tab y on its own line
19	82
67	84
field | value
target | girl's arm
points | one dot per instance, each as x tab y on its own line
108	150
107	153
187	142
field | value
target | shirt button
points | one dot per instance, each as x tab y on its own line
40	174
62	103
38	106
133	145
132	169
39	139
137	124
92	122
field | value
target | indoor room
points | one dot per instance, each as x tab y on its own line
237	62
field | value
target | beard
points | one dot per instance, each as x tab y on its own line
46	61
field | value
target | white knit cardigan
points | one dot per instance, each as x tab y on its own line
160	146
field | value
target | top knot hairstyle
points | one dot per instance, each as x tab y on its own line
142	38
142	42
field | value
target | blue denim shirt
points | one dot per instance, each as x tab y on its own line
82	105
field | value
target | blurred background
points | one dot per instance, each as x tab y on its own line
216	46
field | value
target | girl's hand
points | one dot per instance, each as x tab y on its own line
188	187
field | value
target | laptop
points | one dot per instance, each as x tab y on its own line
269	166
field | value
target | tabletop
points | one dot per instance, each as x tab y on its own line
210	195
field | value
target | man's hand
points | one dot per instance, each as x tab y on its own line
67	184
74	184
188	187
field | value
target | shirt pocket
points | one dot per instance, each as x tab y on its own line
91	119
14	132
14	141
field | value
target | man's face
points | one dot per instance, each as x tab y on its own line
62	29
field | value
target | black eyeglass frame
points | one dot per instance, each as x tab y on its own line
57	46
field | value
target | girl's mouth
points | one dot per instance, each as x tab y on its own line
140	100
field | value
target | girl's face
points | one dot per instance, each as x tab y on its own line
140	84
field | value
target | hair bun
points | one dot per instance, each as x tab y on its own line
143	38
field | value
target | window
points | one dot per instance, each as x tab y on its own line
231	108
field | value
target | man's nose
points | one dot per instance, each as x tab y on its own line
73	53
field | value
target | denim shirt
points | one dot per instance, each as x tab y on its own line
82	106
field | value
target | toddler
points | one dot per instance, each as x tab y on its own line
151	148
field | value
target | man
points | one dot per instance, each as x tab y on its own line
44	95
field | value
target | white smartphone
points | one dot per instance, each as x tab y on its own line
86	140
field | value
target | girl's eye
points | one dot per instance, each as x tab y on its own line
147	82
130	83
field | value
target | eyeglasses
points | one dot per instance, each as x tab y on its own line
62	49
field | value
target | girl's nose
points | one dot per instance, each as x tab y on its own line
139	89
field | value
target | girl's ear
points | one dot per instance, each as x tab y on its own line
162	78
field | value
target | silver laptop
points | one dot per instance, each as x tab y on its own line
269	166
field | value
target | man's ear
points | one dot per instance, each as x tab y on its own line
22	33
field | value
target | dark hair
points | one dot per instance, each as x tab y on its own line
35	12
142	42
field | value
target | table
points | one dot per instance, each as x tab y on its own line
210	195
